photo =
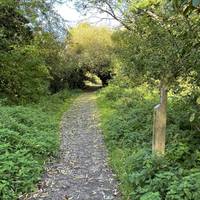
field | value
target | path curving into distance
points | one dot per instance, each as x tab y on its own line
82	173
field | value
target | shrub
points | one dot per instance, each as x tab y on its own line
127	118
24	75
28	138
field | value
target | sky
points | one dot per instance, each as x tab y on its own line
73	17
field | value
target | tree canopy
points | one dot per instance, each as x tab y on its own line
92	46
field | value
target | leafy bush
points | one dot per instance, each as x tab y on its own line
28	138
186	188
151	196
24	75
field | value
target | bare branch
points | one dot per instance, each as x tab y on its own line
112	14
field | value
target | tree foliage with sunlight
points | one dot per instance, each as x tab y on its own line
92	47
33	62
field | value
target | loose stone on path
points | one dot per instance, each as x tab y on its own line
82	173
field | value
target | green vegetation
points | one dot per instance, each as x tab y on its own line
91	47
36	60
29	136
157	52
126	114
153	57
40	62
33	69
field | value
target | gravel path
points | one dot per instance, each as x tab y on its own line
82	172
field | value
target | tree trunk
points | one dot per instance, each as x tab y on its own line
159	124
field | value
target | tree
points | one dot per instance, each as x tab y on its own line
23	74
14	27
32	50
92	46
161	49
115	9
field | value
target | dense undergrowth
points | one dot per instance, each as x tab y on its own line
127	123
28	138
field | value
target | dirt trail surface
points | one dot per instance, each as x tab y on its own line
82	172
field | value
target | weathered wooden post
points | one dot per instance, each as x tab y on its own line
159	124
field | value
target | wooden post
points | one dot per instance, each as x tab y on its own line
159	124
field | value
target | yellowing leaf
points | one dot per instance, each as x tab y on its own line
192	117
198	100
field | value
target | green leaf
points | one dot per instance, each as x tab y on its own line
151	196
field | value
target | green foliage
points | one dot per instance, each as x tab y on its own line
124	129
29	71
186	188
127	123
28	138
24	75
151	196
33	56
92	47
166	52
63	69
13	27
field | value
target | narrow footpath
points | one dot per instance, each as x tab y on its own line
82	173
